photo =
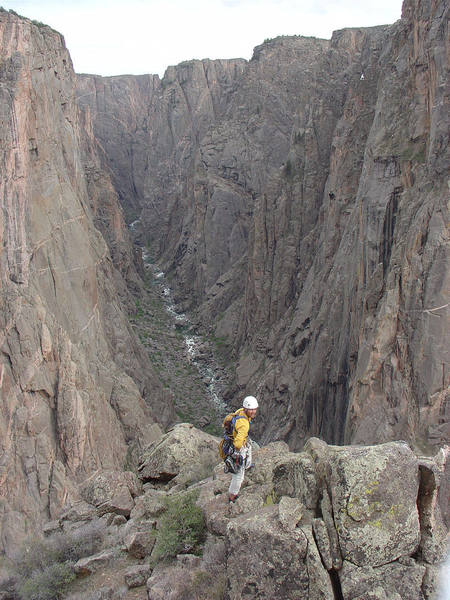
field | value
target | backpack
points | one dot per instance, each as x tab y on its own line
226	443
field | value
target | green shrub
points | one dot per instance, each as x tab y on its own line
48	584
181	528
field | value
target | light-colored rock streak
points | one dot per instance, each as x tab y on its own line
94	315
57	229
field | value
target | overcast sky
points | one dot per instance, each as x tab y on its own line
112	37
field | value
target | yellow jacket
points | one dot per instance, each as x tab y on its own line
240	431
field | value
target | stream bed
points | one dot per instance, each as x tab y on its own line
198	351
183	359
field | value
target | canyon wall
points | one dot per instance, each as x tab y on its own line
300	203
358	259
75	386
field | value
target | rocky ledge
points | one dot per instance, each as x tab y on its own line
348	522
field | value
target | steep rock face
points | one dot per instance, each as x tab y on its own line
299	202
149	131
360	358
69	405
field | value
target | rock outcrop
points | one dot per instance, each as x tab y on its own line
75	386
183	451
299	202
358	528
353	524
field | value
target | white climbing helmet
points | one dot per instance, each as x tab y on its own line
250	402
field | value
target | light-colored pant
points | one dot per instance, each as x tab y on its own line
238	478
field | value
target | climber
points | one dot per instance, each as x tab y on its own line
241	450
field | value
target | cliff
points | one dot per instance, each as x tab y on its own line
75	386
298	201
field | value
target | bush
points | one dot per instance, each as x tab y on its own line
44	567
47	584
32	556
81	542
181	528
37	554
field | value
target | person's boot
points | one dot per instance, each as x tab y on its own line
233	497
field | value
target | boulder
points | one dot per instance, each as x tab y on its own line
294	475
79	511
189	561
318	451
374	494
217	513
91	564
140	544
118	520
266	460
137	575
249	500
394	578
320	586
112	491
265	560
167	582
149	505
290	512
182	449
379	594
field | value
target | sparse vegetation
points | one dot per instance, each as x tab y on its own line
164	338
223	352
38	23
213	429
47	584
181	528
44	567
